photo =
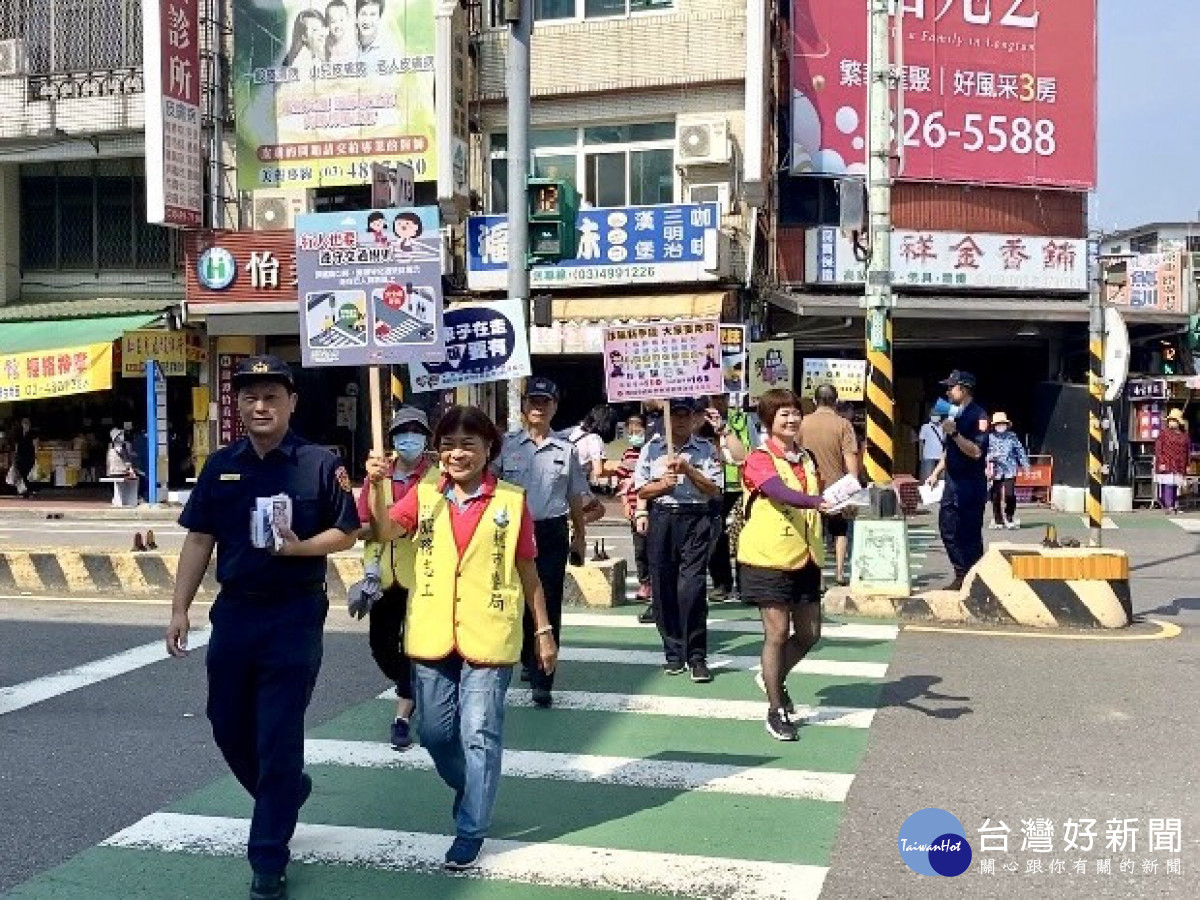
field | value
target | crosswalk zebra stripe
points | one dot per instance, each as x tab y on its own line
679	775
550	864
686	707
834	667
846	631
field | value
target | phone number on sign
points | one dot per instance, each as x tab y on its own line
359	171
979	133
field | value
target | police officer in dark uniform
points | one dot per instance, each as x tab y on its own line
265	648
960	517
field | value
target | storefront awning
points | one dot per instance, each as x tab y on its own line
55	334
704	305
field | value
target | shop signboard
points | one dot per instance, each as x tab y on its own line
43	374
733	358
955	260
771	366
484	342
995	91
169	349
323	90
240	271
659	360
229	423
370	286
1154	282
848	377
616	245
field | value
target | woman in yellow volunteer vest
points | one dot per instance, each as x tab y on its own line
780	551
474	574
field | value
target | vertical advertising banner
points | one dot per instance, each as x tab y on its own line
370	287
324	89
994	91
174	163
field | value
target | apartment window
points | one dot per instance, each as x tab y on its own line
610	165
1144	243
77	35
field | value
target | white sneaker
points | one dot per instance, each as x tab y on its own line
995	526
1013	525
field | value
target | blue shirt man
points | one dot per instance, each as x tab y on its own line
264	653
960	516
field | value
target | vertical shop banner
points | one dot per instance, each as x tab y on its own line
56	373
229	423
771	366
995	91
658	360
370	286
171	69
848	377
324	89
733	358
484	342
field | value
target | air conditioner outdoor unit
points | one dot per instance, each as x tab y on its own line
702	141
12	57
276	210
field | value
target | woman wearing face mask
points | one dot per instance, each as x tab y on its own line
635	510
1171	451
391	564
475	572
1005	457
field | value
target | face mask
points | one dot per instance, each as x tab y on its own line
409	446
636	440
1000	429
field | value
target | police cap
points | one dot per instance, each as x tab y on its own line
957	377
540	386
263	368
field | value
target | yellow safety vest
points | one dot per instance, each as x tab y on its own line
396	558
778	536
471	603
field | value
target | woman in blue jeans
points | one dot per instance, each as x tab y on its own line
475	572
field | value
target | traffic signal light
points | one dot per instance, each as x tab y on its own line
553	205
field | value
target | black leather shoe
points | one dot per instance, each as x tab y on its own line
646	616
268	887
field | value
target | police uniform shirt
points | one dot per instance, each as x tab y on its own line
652	465
224	500
549	472
972	425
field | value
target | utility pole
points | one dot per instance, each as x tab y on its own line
519	15
881	403
1095	498
216	148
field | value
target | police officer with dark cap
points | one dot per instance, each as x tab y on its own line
960	516
265	649
547	466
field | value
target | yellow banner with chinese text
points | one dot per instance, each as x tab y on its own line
56	373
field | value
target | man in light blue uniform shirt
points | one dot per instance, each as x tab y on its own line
546	465
678	488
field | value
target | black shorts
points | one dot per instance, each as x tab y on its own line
836	526
779	587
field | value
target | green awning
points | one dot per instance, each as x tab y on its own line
51	334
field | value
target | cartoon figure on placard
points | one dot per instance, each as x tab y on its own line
616	368
407	228
710	358
772	369
377	228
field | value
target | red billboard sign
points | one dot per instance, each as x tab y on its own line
994	91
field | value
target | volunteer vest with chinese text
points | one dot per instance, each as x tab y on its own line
397	558
778	536
471	603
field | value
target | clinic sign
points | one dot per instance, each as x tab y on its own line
616	245
995	91
955	260
324	89
232	270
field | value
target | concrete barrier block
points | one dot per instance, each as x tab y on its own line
596	583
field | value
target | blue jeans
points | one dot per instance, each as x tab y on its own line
460	712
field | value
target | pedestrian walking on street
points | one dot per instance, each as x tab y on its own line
829	437
734	435
547	467
1006	457
383	594
960	515
932	444
24	460
678	487
598	428
635	509
781	550
475	581
265	650
1172	450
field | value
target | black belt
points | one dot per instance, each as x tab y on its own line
682	509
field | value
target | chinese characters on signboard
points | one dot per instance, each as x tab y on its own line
322	90
848	377
656	360
240	267
370	287
733	358
55	373
618	245
169	349
229	423
174	166
954	259
1154	282
995	91
484	342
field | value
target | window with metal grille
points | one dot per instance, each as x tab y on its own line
75	35
90	216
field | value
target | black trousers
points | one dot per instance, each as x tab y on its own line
960	520
386	637
677	543
263	660
554	544
640	560
1004	500
720	567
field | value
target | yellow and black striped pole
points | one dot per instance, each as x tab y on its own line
397	389
1095	498
881	405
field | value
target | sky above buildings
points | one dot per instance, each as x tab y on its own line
1149	121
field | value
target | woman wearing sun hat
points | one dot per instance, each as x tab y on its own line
1171	451
1005	457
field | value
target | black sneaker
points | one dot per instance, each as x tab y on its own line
464	853
268	887
646	616
524	673
780	726
542	698
700	673
718	594
401	734
673	668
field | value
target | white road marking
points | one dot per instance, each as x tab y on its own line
848	631
552	864
679	775
1191	526
835	667
686	707
1106	523
47	687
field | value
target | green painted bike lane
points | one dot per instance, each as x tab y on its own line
637	784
